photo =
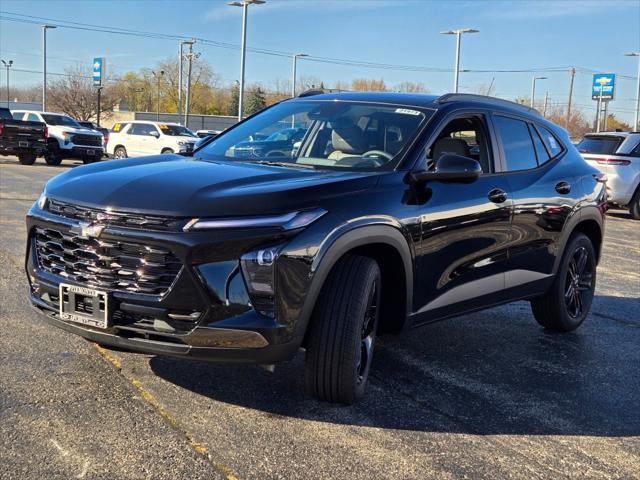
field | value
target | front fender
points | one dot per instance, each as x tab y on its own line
346	237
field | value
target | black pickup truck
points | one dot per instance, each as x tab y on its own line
26	140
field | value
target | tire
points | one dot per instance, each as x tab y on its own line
88	160
634	206
342	331
166	151
53	156
565	306
27	158
120	152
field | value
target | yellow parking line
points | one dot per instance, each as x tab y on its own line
148	397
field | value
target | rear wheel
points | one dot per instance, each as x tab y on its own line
120	152
166	151
342	331
27	158
634	206
53	155
565	306
88	159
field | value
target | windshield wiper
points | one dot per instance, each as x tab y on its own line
283	164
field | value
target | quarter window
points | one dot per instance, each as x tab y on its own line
551	142
517	145
32	117
541	150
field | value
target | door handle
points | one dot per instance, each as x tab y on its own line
497	195
563	187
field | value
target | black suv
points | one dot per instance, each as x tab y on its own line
395	210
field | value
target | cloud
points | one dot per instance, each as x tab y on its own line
223	11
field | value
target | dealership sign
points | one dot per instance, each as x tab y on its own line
99	68
604	83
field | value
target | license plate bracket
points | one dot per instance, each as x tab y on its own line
91	152
23	144
84	305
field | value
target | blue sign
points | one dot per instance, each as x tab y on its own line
99	67
605	83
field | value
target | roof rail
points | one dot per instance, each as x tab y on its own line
319	91
470	97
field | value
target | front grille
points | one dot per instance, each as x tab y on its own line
109	217
106	264
87	140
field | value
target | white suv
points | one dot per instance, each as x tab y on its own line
618	155
136	139
67	138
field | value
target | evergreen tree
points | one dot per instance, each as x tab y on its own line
256	100
235	100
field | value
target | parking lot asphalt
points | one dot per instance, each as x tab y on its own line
487	395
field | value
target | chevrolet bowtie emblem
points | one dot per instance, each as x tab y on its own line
87	230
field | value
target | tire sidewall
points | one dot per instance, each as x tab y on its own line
568	322
27	158
120	149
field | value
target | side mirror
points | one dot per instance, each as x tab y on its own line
154	133
451	168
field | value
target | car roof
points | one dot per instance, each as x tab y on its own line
44	113
419	100
611	134
150	122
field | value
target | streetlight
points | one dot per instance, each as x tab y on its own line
8	66
158	76
293	73
44	65
244	4
635	121
533	89
180	74
458	33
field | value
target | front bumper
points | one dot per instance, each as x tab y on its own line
227	328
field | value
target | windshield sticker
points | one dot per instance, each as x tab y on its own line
407	111
117	127
163	126
552	142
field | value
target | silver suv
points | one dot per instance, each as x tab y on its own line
618	155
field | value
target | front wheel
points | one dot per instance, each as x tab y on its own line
565	306
166	151
343	331
53	156
120	152
27	158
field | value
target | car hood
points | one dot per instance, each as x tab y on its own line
177	186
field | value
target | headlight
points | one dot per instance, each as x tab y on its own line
258	272
42	201
182	143
287	221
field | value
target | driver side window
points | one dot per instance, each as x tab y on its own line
465	136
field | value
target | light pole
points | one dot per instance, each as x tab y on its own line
458	33
44	65
245	8
533	89
180	74
8	66
158	76
637	114
293	73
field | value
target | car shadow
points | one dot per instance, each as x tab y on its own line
493	372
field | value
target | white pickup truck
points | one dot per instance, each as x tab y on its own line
67	138
140	138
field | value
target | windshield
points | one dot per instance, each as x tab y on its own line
176	131
60	120
599	145
321	134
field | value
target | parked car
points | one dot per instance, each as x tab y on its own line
278	144
66	137
618	155
96	128
23	139
140	138
208	133
385	220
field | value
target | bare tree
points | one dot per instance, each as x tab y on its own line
411	87
75	95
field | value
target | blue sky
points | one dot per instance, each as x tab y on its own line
514	35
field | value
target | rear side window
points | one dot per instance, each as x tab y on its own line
541	150
517	144
599	145
32	117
